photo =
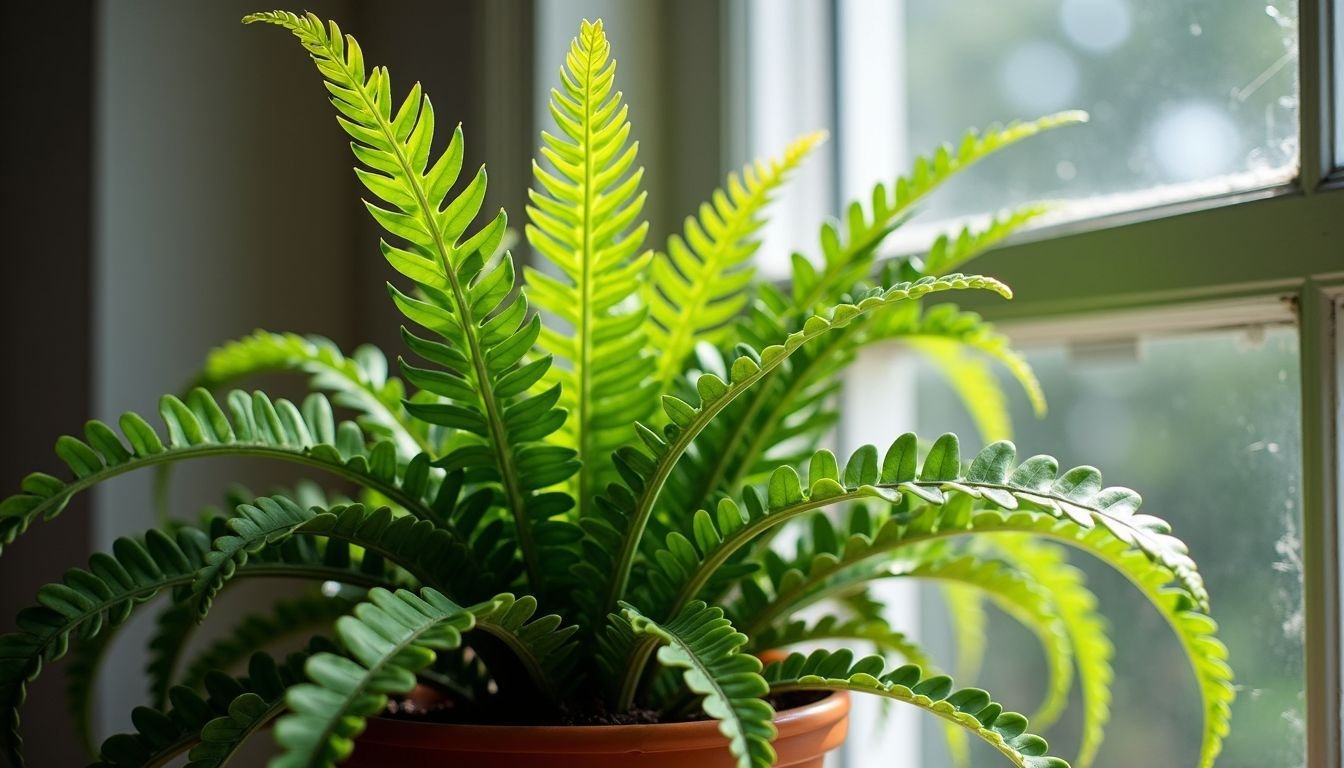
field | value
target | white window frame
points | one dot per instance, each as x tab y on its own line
1245	258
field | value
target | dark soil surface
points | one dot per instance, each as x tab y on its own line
445	710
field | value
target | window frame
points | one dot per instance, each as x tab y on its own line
1199	263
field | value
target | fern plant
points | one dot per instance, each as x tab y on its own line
566	499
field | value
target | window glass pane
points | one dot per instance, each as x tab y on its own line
1206	427
1187	97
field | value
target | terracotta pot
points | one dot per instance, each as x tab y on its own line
806	734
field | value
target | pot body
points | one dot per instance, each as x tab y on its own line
806	734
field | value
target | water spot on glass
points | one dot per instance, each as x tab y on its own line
1065	170
1039	76
1096	25
1195	29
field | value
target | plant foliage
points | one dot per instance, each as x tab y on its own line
565	501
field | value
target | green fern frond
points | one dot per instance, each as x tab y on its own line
703	280
90	603
85	604
388	640
948	253
584	220
358	381
624	512
702	642
543	645
426	552
796	406
1048	565
970	625
935	499
938	502
969	708
848	248
253	425
208	729
469	298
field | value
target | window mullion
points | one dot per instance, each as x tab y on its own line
1314	95
1320	350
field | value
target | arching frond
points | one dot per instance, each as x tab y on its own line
386	641
358	381
91	602
969	708
936	503
208	729
700	641
246	425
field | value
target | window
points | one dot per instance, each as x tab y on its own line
1186	99
1203	207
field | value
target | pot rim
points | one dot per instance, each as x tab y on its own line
644	737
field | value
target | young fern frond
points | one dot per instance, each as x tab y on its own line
969	708
468	300
210	728
625	511
703	280
388	640
199	427
700	641
358	381
585	220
